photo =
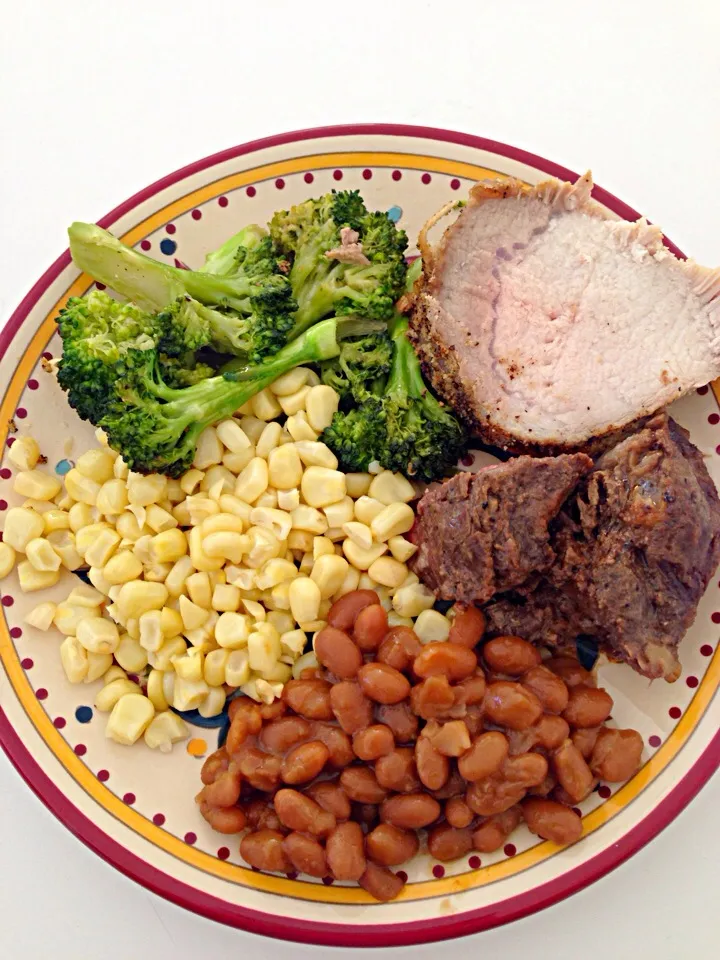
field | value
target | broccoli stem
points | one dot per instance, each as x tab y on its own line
149	283
405	373
222	261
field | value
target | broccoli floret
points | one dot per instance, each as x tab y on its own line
224	261
248	312
345	259
361	367
404	428
123	384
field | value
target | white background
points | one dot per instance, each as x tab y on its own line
97	100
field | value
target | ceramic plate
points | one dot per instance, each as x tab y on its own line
134	807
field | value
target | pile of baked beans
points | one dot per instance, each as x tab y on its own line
390	737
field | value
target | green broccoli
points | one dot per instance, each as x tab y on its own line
344	258
248	312
401	425
360	368
116	377
224	261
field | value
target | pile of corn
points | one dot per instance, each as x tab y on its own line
212	582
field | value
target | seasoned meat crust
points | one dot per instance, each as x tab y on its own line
546	322
481	533
636	547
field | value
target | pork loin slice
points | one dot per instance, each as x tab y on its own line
545	321
480	533
636	547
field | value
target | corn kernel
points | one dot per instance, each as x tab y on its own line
289	499
293	642
162	659
268	499
180	571
281	596
236	462
254	609
388	487
294	403
131	655
395	620
320	486
388	572
102	548
137	597
38	485
41	555
281	621
68	615
358	484
431	626
24	453
40	506
285	469
306	564
41	616
129	718
214	667
410	601
268	439
230	504
150	632
232	630
218	480
200	560
305	597
56	520
209	449
113	673
86	536
275	571
98	635
321	405
120	469
22	526
233	436
359	533
252	427
290	382
96	465
299	428
360	558
63	501
113	692
366	509
190	480
63	543
190	665
338	514
308	661
164	730
198	589
144	490
74	660
316	454
155	692
171	623
237	668
401	548
226	598
263	650
158	519
309	519
253	480
112	497
277	521
264	546
265	405
31	579
313	626
193	616
127	526
392	521
213	703
322	546
328	572
350	582
225	545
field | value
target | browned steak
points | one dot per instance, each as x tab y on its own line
636	547
481	533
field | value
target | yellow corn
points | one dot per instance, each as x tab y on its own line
299	428
131	655
288	500
305	597
200	560
388	572
114	691
150	633
264	546
190	665
81	488
129	718
41	555
199	590
168	545
68	615
180	571
112	497
98	635
306	564
308	661
171	623
388	487
358	484
162	659
214	667
320	486
126	525
86	536
253	481
24	453
284	467
281	596
366	509
392	521
164	730
120	469
225	545
144	490
432	626
268	499
321	405
81	515
190	480
155	692
236	462
253	427
74	660
213	703
309	519
338	514
401	548
225	598
279	522
268	439
328	572
209	450
233	436
38	485
290	382
56	520
98	665
63	543
138	596
232	630
96	464
31	579
293	403
102	548
322	546
410	601
192	615
360	558
189	694
158	519
41	616
237	668
114	673
265	405
263	650
22	526
359	533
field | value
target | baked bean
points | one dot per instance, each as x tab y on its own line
261	816
570	671
246	723
337	653
493	795
261	770
433	768
225	790
399	648
448	843
522	741
458	813
264	850
510	655
485	757
400	718
299	812
492	833
352	709
509	704
337	742
304	762
550	731
451	739
309	698
584	739
433	698
455	787
224	819
373	742
370	627
396	770
616	754
331	797
470	691
272	711
411	811
237	705
551	820
305	854
391	846
474	719
572	772
362	785
545	788
344	612
382	683
380	883
550	689
588	706
216	764
345	849
525	770
445	659
366	814
280	735
468	626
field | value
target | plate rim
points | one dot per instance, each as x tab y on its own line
320	932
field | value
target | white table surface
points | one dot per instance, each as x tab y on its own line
97	100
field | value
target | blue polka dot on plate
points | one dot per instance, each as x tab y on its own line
168	246
84	714
395	213
64	466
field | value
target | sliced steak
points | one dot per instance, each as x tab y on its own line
546	322
636	547
481	533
